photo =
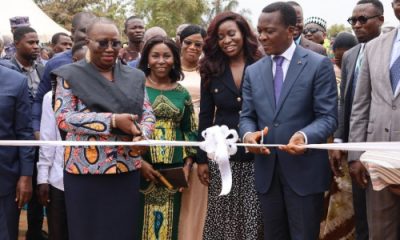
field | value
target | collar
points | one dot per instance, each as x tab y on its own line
288	54
398	34
298	40
27	69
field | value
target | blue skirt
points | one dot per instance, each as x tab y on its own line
102	206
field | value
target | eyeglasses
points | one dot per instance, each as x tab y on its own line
196	44
310	30
361	19
104	44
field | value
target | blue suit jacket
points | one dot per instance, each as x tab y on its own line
15	124
308	103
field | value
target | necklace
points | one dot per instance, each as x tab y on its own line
189	69
161	87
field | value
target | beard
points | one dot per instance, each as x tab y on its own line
31	57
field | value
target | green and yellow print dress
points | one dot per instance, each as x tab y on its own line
175	120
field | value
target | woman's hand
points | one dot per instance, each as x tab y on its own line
126	123
203	174
138	150
187	168
148	172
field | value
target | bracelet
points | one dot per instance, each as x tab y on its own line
113	124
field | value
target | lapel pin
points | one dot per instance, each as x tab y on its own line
299	62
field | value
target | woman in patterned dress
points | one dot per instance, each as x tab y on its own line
229	47
100	100
173	108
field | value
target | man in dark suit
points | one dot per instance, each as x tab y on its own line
292	91
366	27
16	163
26	42
298	36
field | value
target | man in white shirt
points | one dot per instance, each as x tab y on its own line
50	173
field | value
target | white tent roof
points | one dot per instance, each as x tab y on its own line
43	24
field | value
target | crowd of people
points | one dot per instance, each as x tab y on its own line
278	84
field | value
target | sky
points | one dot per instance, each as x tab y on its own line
333	11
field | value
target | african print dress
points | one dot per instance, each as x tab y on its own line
174	121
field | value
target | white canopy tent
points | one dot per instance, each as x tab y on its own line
43	24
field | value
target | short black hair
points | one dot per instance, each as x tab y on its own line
191	30
288	14
78	46
20	32
99	20
77	18
56	37
377	4
176	72
130	18
344	40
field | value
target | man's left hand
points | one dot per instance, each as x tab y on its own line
24	190
295	145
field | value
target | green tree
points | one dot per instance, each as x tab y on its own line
62	11
169	14
219	6
337	28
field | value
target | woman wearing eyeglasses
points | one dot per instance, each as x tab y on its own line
194	198
173	108
101	100
229	47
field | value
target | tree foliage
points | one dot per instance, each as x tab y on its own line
337	28
219	6
169	14
62	11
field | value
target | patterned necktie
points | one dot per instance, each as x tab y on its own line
278	79
395	74
357	70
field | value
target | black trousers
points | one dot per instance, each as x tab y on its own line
57	215
287	215
35	213
9	217
360	212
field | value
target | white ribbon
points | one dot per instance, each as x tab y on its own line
219	147
220	142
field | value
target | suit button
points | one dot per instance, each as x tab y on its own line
239	99
386	130
394	107
240	112
216	90
276	124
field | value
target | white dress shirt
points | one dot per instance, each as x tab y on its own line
50	165
287	55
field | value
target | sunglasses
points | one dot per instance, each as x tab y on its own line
196	44
104	44
361	19
310	30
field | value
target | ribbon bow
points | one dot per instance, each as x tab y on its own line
220	143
